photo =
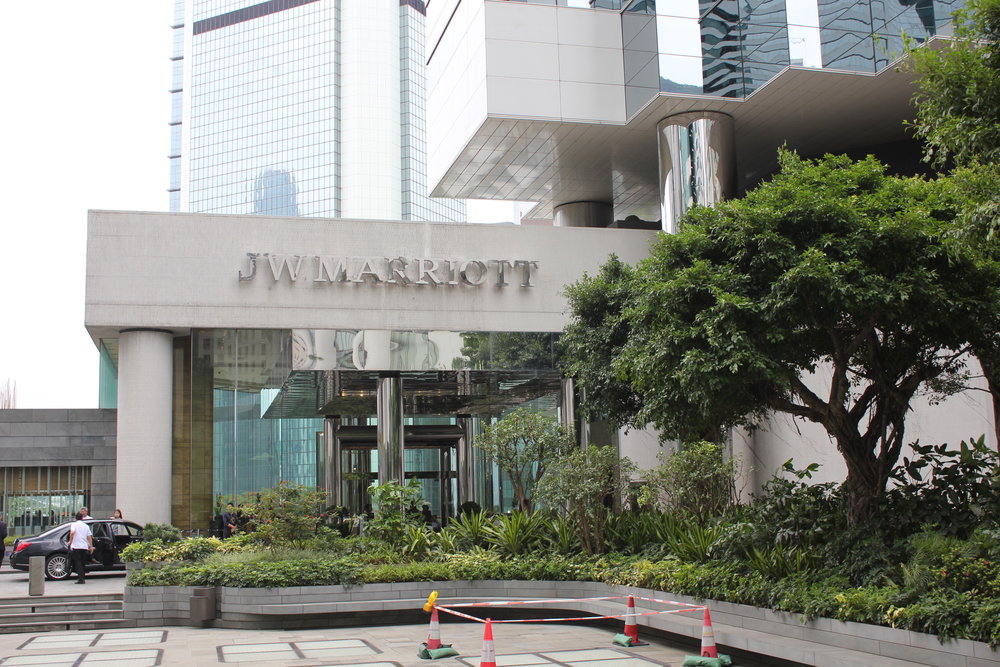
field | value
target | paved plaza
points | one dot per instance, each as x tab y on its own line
534	644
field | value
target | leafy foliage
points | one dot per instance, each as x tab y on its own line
393	519
958	103
162	532
580	484
287	514
953	490
523	443
517	532
698	481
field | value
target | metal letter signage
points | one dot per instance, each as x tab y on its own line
399	271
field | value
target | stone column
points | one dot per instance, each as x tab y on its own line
583	214
697	163
389	401
145	424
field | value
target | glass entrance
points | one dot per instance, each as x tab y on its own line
432	464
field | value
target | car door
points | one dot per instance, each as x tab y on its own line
104	544
124	535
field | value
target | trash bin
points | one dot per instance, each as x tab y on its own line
202	605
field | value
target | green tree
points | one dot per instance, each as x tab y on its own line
522	444
958	98
958	117
829	294
579	484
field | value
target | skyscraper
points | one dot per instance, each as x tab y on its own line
301	107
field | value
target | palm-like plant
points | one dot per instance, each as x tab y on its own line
517	532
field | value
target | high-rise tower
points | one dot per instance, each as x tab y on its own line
301	107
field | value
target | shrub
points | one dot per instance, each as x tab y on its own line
517	532
163	532
698	480
580	483
261	574
287	514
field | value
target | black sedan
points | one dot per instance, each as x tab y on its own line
110	537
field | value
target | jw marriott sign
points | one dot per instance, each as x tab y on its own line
403	271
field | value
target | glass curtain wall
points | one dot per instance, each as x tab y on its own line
730	48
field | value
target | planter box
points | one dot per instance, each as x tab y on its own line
823	642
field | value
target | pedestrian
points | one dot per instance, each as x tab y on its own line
3	536
229	527
81	546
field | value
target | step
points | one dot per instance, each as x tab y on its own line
55	626
31	599
51	607
96	614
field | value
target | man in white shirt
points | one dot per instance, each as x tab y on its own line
81	546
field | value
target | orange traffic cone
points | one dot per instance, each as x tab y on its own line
434	633
631	630
708	649
489	658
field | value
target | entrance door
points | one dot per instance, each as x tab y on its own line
429	457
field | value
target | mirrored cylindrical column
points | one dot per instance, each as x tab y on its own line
333	466
583	214
697	162
389	402
463	460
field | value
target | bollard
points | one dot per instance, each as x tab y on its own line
36	575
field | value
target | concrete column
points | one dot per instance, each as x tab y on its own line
697	163
583	214
463	461
389	401
145	424
333	469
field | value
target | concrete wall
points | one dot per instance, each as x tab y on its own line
30	438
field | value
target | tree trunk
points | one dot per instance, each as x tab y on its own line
865	483
992	374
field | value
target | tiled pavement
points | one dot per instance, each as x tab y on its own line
534	644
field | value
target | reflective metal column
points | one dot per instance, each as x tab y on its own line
463	460
333	472
697	162
389	401
583	214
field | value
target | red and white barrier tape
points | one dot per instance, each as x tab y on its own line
507	603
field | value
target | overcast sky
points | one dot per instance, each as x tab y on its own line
85	127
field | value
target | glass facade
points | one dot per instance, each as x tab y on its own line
34	499
730	48
251	408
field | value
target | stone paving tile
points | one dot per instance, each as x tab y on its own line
516	644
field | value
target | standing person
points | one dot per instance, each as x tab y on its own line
229	527
85	512
117	514
81	545
3	536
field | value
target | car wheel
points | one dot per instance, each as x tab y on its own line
58	566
